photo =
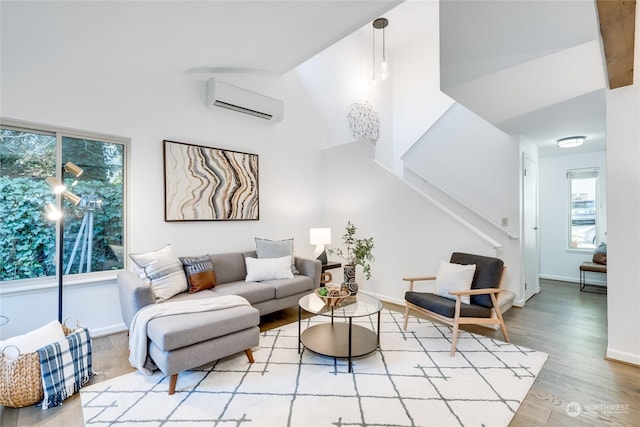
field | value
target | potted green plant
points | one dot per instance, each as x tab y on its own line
359	252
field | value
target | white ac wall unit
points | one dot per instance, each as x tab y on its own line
224	95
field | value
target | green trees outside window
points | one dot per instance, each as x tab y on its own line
28	243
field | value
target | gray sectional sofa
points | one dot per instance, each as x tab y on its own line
185	341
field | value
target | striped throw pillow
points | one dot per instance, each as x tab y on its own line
162	270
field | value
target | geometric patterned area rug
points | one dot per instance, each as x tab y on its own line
411	380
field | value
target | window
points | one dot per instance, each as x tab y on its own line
583	208
93	232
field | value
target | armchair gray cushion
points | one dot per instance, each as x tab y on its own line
488	274
444	306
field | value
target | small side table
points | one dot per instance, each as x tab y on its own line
325	276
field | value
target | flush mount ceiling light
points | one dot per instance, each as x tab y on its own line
571	141
380	24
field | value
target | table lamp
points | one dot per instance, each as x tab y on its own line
320	237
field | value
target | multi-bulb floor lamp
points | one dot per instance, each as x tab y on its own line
56	213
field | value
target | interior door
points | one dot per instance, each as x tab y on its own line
530	227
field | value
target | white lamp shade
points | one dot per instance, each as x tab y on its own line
320	236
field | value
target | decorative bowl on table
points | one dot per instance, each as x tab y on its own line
333	297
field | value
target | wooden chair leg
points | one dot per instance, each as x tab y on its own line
496	307
173	379
406	317
456	325
249	354
454	341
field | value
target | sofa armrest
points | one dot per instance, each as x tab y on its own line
311	268
134	294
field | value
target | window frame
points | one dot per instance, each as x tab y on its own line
35	284
582	173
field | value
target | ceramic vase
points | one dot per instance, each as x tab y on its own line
350	278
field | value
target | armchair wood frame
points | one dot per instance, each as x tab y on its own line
457	320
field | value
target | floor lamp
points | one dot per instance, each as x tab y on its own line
54	213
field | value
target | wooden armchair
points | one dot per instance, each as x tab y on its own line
483	308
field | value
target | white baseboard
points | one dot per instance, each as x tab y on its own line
108	330
384	298
520	303
560	278
590	280
622	356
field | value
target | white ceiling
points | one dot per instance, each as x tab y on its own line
276	36
533	68
270	36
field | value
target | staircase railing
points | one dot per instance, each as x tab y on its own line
475	211
494	244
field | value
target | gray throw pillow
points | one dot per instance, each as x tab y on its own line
266	248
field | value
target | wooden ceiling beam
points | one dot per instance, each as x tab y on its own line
617	19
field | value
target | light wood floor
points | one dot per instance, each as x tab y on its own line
568	325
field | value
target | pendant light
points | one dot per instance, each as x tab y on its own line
380	24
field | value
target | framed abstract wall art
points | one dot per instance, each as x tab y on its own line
209	184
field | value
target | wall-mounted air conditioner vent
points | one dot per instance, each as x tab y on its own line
224	95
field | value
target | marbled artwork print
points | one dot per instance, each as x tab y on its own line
204	184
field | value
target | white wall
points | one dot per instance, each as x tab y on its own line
148	104
473	161
332	81
557	261
477	167
288	167
623	248
411	235
417	100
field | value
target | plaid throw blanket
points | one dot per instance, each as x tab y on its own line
66	366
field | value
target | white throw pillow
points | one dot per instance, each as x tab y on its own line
266	248
268	268
162	270
454	277
32	341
